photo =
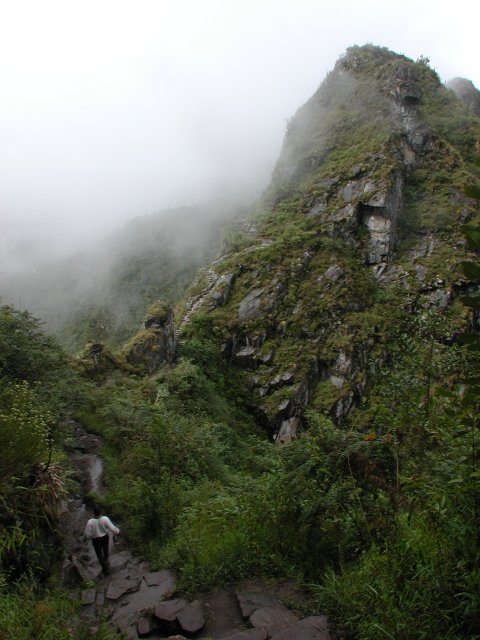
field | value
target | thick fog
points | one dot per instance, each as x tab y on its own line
111	109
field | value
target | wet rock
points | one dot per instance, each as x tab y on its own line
249	308
119	586
273	618
191	618
119	561
250	602
167	611
138	603
165	580
311	628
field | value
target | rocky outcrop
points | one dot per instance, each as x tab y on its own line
155	345
353	214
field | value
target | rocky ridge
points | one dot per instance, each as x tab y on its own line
366	199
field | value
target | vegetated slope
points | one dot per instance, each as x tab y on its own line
360	225
338	314
100	294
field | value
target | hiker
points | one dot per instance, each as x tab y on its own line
96	530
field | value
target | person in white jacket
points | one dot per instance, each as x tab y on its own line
97	531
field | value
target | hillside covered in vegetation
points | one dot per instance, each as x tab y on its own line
309	409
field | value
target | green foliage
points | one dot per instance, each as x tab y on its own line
24	431
26	613
400	590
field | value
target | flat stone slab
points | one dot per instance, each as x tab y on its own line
273	618
191	618
311	628
120	586
250	602
136	604
249	634
165	579
167	611
119	561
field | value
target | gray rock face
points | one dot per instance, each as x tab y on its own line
289	430
250	306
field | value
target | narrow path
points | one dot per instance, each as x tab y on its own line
137	602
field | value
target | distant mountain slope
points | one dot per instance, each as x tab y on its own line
101	293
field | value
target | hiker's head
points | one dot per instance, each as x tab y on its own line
97	511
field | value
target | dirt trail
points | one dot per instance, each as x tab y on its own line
139	603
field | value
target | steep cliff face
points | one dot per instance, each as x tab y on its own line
359	225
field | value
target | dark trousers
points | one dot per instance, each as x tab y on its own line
101	549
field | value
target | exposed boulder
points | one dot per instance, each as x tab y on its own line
250	306
191	618
155	345
220	294
167	611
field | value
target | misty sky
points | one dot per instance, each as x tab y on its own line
111	109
